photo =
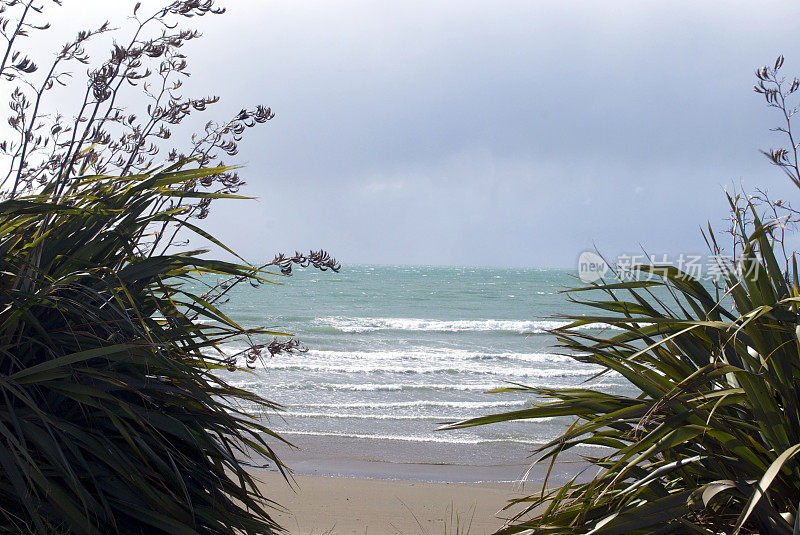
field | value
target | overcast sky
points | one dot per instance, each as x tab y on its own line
491	133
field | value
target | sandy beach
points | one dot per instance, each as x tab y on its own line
336	491
336	505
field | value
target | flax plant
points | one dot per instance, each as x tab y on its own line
112	418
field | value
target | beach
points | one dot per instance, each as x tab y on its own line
393	353
338	505
345	485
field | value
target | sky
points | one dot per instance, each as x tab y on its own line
515	133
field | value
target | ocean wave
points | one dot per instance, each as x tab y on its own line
363	325
416	417
577	371
427	354
443	438
437	354
338	415
388	387
417	403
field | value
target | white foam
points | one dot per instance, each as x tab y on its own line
428	354
577	370
367	387
446	361
416	403
446	438
363	325
415	417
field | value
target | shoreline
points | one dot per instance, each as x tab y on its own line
341	488
347	485
351	458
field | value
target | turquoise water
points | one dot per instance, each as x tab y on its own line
395	350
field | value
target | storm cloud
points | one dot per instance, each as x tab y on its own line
497	133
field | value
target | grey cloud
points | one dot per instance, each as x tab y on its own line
492	132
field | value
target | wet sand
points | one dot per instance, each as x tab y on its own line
410	461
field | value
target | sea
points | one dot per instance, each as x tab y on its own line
393	352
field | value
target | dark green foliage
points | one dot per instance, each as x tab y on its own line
710	443
111	417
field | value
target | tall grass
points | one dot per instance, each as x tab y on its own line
112	419
710	441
